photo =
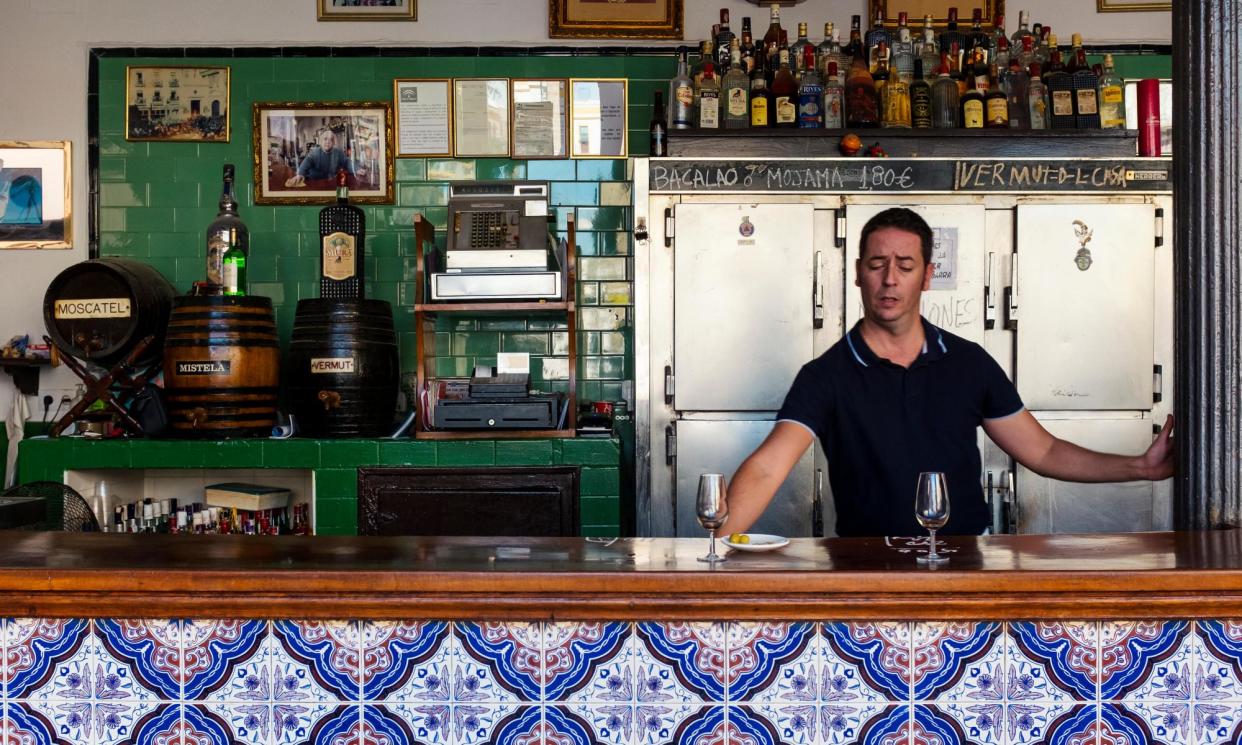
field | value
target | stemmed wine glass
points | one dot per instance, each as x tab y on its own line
712	508
931	509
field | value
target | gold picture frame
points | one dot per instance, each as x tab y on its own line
37	188
298	144
598	118
402	10
939	10
539	118
177	103
616	19
1126	6
424	117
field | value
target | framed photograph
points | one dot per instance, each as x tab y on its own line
177	104
299	148
481	117
938	9
1129	6
597	118
539	115
616	19
424	117
35	194
368	10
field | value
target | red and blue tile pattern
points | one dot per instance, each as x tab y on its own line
202	682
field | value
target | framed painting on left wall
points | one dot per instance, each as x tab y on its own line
35	194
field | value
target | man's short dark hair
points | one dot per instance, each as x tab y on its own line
902	219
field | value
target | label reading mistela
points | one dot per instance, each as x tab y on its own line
332	364
204	367
102	307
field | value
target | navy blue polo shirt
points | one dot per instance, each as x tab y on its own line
881	424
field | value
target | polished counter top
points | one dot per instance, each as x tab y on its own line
1132	575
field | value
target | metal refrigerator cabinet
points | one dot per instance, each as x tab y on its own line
1068	289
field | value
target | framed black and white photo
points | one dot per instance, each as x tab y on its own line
539	117
301	148
368	10
177	103
481	117
598	118
424	117
35	194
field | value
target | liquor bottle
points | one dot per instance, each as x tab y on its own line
773	40
1060	93
834	98
1001	56
945	113
876	35
920	99
736	92
226	231
998	33
707	98
748	47
855	45
951	35
784	94
955	69
827	51
797	52
1023	32
995	102
1037	95
810	93
902	62
972	108
234	278
724	41
760	96
929	53
1072	63
979	69
342	235
681	97
1085	82
1016	86
978	37
1112	97
659	128
1043	48
707	54
895	101
1027	55
880	75
862	107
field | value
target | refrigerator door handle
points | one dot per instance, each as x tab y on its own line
817	294
817	506
989	298
670	384
1011	296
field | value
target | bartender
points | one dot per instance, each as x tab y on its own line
897	396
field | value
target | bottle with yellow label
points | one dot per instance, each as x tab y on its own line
1112	97
973	108
760	95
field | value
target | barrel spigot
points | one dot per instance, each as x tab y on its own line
331	400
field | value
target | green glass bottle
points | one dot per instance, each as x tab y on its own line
235	270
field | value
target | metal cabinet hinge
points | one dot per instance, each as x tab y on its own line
668	227
670	445
1159	227
840	239
1157	383
670	384
1011	296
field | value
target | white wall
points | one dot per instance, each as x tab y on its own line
44	45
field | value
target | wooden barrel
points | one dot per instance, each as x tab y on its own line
343	369
98	310
221	366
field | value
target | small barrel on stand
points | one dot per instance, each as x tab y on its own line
343	368
221	366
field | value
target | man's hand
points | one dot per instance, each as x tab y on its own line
760	475
1026	441
1160	460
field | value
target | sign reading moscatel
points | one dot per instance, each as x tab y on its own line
98	307
912	175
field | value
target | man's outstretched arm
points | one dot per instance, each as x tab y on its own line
1026	440
762	473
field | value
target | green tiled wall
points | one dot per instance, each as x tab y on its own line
335	464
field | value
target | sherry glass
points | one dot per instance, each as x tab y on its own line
712	508
931	509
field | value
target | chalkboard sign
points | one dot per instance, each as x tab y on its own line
911	175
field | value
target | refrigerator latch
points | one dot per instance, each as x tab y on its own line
1159	227
670	384
817	295
670	445
668	227
989	299
1011	297
840	239
1157	382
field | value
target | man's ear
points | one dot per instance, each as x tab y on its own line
928	270
857	271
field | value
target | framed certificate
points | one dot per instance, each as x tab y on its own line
424	117
539	115
481	117
597	118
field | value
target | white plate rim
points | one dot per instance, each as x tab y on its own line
777	541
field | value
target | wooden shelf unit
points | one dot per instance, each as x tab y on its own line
426	312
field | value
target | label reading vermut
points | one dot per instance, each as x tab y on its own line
204	367
100	307
338	256
332	364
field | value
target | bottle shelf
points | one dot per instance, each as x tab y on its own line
534	306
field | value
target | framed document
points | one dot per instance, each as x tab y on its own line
36	194
424	117
937	9
597	118
481	117
539	111
616	19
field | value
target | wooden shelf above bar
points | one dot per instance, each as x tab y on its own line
497	434
533	306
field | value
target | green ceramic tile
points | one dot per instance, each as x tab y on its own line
251	69
450	170
348	69
591	452
422	195
124	244
113	219
241	453
550	170
601	170
600	482
599	510
525	342
336	516
292	453
603	368
123	195
575	193
524	453
466	453
476	342
411	169
348	453
498	168
451	367
601	531
112	169
192	170
407	453
366	90
169	454
187	220
179	194
603	218
297	219
335	484
304	68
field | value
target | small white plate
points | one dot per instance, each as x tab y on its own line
759	542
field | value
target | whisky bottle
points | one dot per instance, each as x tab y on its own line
995	103
920	99
784	94
760	96
774	40
862	104
827	51
225	232
797	52
342	232
973	108
1086	97
876	35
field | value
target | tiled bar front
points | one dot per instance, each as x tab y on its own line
291	681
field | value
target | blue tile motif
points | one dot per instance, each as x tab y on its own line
570	663
515	662
34	647
1066	651
880	653
150	649
697	662
759	659
343	726
1129	650
390	662
939	660
164	725
24	725
330	655
214	649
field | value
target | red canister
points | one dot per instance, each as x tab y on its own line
1149	117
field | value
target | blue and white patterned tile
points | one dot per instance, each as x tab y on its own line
977	722
316	661
958	661
70	721
476	724
1051	661
423	722
866	723
773	662
46	656
496	662
1216	724
1130	652
1217	669
1163	722
225	660
1119	724
1036	723
149	651
1168	680
865	662
609	724
342	725
656	723
296	722
163	724
793	724
588	662
681	662
406	661
248	723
